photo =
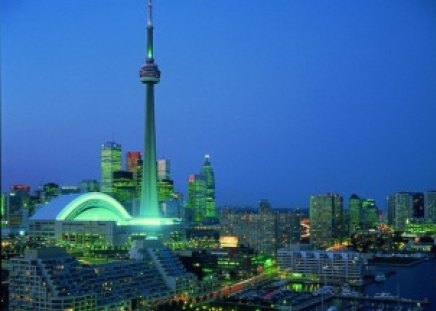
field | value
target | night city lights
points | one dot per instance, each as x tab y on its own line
280	157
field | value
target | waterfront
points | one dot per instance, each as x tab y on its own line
416	282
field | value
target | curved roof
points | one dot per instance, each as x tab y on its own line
88	206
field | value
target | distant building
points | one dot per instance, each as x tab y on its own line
110	163
134	165
370	213
196	198
355	212
163	169
19	205
230	263
363	213
404	207
209	176
123	185
165	190
265	230
340	267
418	205
3	210
89	185
430	205
253	228
49	191
289	229
326	219
201	194
69	189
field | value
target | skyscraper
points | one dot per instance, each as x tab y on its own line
355	212
197	198
201	191
163	169
209	177
149	75
418	205
400	209
370	213
19	205
134	165
124	186
110	163
326	217
430	205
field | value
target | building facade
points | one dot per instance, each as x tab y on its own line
326	219
134	165
48	279
110	163
328	266
430	205
209	177
201	194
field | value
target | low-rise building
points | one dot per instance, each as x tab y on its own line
329	266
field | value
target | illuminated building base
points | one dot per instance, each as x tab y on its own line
152	221
95	215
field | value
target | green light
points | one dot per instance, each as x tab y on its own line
149	53
152	221
296	275
96	206
92	203
268	263
297	287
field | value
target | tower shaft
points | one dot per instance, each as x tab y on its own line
149	199
149	75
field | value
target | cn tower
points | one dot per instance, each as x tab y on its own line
149	75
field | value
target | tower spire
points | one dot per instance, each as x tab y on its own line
150	11
150	32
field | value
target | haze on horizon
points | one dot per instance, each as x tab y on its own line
290	98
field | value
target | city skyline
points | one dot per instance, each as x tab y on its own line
349	95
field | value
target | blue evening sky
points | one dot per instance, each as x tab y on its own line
289	97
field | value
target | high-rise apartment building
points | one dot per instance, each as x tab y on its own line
110	163
430	205
355	212
404	207
265	230
326	219
400	207
418	205
370	213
